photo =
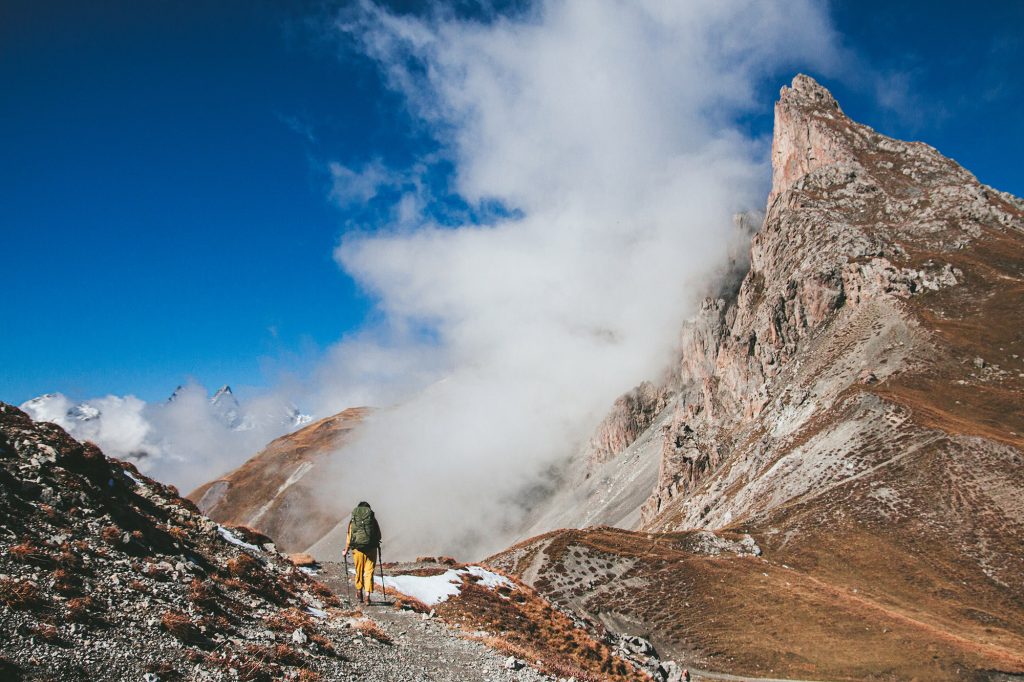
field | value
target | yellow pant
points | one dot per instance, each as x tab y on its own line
364	571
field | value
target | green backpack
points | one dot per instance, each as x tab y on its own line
365	533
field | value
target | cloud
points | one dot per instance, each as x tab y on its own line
350	186
185	441
607	132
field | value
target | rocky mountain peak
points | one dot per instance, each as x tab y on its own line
223	391
805	137
807	91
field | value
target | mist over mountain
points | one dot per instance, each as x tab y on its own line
184	440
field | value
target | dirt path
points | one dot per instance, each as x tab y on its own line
424	648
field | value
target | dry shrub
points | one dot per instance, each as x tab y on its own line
182	627
202	593
251	535
68	559
29	552
404	601
252	670
47	633
164	671
289	620
215	623
139	586
67	583
368	628
248	668
254	577
530	628
49	511
448	561
307	675
302	559
81	609
324	593
22	595
281	654
111	535
244	566
179	534
326	645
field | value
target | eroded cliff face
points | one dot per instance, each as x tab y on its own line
855	409
882	270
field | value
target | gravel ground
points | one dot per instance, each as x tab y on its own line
424	648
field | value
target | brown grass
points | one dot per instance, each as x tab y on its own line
369	628
182	627
203	594
326	645
21	595
255	578
68	559
531	629
289	620
282	654
111	535
48	634
83	610
28	552
66	583
404	601
251	535
164	670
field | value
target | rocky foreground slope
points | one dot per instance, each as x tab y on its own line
106	574
856	409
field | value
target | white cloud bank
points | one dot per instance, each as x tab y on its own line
610	127
185	441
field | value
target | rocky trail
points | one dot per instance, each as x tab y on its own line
423	647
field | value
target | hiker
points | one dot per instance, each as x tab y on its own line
364	540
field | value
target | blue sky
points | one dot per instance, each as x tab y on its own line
165	205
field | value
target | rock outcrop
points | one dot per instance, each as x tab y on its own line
858	403
107	574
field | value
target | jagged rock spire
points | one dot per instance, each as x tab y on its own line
802	141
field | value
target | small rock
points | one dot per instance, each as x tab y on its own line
513	663
668	671
979	362
299	637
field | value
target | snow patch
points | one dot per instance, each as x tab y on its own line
434	589
235	540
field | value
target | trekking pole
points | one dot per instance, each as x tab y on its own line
380	562
348	587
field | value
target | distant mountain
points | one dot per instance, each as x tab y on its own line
56	407
229	411
274	491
